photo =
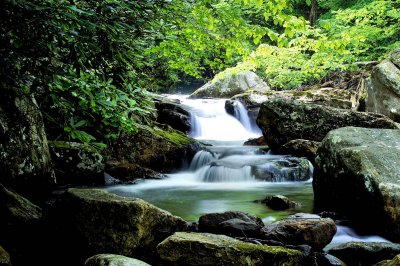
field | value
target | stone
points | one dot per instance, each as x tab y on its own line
211	222
365	253
173	114
127	173
394	262
98	222
282	120
279	202
113	260
76	163
4	257
239	228
395	57
383	89
300	228
301	148
357	174
256	142
324	259
208	249
228	85
25	163
282	169
160	148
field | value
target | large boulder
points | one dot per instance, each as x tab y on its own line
208	249
228	85
160	148
383	88
282	120
113	260
76	163
357	173
301	228
301	148
20	225
96	222
365	253
24	154
174	114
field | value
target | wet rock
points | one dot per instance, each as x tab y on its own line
323	259
25	163
383	88
4	257
99	222
298	229
365	253
76	163
239	228
230	84
283	120
279	202
173	114
357	174
113	260
127	172
160	148
301	148
256	142
394	262
208	249
282	169
213	222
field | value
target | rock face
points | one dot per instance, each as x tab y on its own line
159	149
24	154
365	253
75	163
230	85
113	260
173	114
99	222
383	88
301	228
283	120
208	249
4	257
357	173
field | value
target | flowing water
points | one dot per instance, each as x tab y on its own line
226	176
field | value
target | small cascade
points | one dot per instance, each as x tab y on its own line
240	112
200	159
220	173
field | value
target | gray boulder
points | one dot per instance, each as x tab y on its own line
99	222
301	148
282	120
302	228
173	114
383	88
208	249
113	260
365	253
25	163
231	84
357	174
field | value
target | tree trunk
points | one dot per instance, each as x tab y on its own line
313	12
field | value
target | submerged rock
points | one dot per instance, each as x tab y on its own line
25	163
283	120
113	260
230	84
365	253
383	88
208	249
279	202
301	228
357	174
99	222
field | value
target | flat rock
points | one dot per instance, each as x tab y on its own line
113	260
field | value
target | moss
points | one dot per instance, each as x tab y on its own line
173	136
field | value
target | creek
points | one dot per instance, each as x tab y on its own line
226	177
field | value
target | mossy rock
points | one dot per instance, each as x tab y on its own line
209	249
113	260
4	257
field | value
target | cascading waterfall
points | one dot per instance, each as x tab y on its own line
240	113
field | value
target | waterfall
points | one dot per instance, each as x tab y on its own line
240	112
201	158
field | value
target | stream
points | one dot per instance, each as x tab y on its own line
225	177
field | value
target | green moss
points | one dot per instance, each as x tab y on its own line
173	136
